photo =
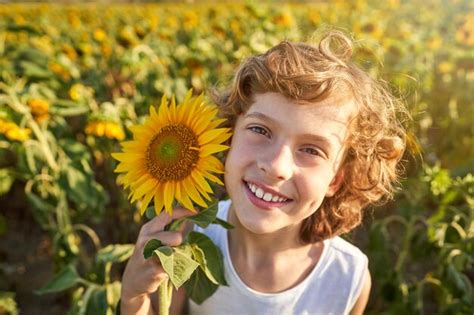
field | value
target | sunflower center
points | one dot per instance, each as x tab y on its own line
172	153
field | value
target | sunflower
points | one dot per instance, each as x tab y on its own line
171	155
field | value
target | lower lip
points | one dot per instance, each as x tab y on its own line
260	203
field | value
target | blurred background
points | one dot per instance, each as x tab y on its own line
74	76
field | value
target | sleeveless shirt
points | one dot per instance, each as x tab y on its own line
332	287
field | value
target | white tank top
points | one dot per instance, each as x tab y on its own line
332	287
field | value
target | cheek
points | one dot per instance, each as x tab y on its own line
239	154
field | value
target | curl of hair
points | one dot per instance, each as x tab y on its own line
305	72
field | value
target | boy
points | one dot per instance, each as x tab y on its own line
315	141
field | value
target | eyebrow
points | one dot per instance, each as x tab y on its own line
310	136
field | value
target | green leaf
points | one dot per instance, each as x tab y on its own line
224	224
209	257
73	111
199	256
115	253
150	247
177	264
97	302
78	182
6	180
16	28
113	294
205	217
65	279
43	209
199	287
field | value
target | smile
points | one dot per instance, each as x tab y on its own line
261	194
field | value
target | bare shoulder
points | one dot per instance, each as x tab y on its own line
363	298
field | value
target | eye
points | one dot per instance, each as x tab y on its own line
259	130
314	151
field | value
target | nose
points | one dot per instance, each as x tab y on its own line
276	162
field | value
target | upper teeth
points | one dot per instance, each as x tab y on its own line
257	191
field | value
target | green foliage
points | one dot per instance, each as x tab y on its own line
430	243
181	262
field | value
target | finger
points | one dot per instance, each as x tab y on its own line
159	222
170	238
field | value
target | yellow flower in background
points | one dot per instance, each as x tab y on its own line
6	125
190	20
170	157
445	67
435	42
76	91
465	32
99	35
38	107
18	134
107	129
370	28
285	19
114	131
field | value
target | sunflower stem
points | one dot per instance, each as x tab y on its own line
164	298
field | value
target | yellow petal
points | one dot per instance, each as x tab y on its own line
182	198
212	178
127	157
169	196
201	123
159	200
201	181
211	135
193	193
143	189
216	123
184	110
222	137
209	149
146	200
172	112
163	111
133	176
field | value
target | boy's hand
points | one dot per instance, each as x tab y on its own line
143	276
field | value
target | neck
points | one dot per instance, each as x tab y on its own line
257	249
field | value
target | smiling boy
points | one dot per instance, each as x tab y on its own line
315	141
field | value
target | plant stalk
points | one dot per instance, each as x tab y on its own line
164	297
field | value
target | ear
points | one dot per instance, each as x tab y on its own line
335	183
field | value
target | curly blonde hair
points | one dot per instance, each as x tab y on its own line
306	72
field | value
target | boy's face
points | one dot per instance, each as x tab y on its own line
284	159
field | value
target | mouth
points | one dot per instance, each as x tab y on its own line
263	198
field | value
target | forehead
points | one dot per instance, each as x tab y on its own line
332	110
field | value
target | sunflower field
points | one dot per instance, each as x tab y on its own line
74	78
